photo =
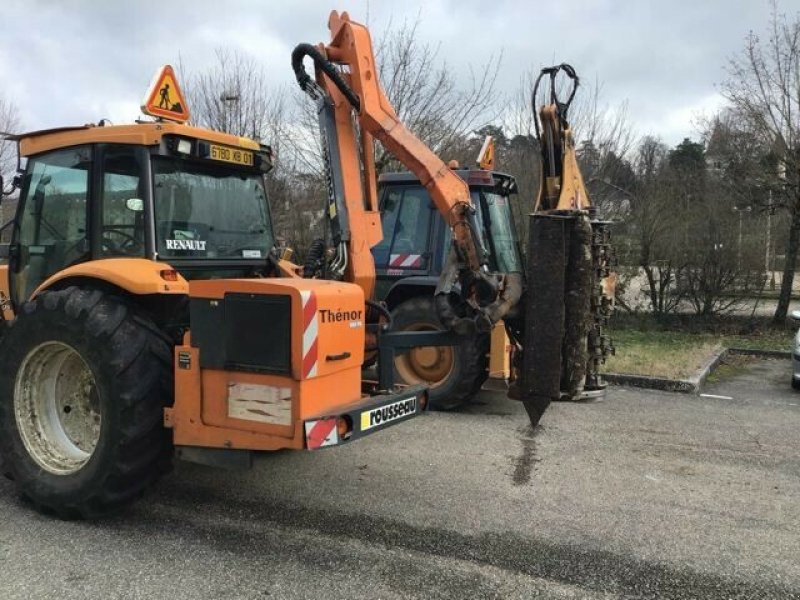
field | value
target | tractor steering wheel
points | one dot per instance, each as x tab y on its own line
129	246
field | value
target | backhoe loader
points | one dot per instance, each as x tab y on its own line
553	306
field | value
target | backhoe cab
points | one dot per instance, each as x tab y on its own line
409	261
145	310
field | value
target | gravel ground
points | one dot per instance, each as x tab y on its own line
646	495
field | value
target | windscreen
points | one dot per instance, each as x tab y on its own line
502	243
209	211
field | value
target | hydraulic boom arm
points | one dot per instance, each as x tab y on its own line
353	111
552	330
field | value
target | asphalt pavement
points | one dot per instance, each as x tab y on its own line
643	495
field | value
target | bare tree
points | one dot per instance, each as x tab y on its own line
233	95
607	126
428	97
9	123
714	277
647	230
426	94
763	88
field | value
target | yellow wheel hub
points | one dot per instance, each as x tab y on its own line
430	364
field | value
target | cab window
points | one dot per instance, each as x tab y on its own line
210	211
52	233
406	216
122	232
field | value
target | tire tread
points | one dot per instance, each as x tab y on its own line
143	378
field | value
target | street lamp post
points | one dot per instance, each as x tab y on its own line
230	101
769	272
740	210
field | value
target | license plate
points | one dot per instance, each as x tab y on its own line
386	414
232	155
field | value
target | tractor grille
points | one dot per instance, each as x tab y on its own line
243	332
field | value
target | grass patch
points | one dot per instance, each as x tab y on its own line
680	354
730	367
671	354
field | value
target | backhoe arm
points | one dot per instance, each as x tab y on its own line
347	91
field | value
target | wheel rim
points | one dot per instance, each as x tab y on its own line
431	365
57	408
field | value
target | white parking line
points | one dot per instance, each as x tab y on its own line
716	397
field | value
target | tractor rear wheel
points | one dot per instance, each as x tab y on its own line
84	383
454	373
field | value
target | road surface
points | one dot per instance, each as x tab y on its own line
644	495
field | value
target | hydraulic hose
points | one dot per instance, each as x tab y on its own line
326	66
563	107
380	308
314	259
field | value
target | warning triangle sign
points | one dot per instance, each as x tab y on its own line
486	155
165	99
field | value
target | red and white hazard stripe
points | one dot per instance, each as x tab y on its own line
407	261
321	433
310	333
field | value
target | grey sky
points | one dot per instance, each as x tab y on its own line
73	62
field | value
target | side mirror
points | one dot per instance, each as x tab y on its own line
134	204
795	315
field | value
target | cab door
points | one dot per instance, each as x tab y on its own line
406	216
51	232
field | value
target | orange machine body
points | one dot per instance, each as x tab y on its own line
564	190
223	396
141	134
219	407
351	47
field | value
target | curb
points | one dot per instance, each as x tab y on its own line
653	383
693	384
762	353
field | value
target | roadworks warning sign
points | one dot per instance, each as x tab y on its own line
164	98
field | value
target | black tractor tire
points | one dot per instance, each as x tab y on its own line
124	370
455	373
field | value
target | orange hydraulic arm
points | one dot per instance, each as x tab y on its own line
353	111
561	186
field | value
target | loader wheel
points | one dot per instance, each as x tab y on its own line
454	373
82	391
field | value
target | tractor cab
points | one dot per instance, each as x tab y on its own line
190	197
416	238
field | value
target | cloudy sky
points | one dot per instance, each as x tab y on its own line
73	62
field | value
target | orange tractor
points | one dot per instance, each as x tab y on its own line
147	313
144	309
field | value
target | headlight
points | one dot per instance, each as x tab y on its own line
184	147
